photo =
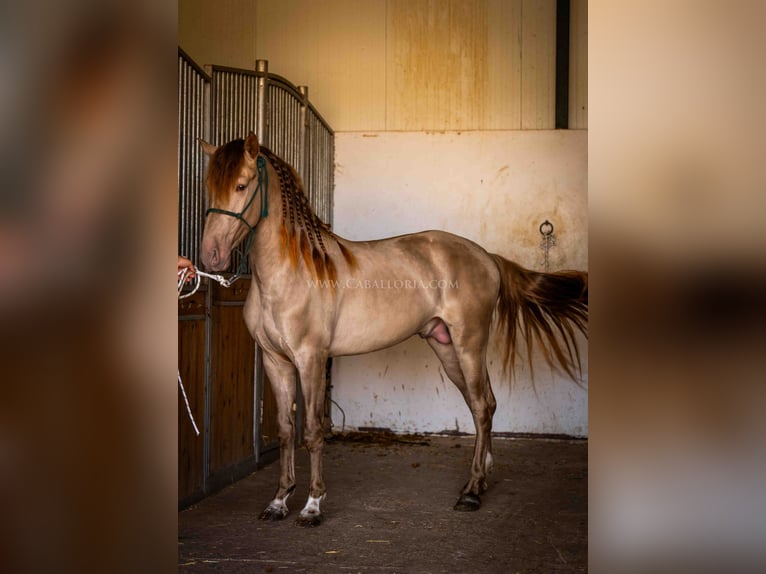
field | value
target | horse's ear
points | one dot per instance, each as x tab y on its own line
209	149
251	146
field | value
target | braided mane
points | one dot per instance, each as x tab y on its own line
301	230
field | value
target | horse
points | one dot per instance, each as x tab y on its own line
316	295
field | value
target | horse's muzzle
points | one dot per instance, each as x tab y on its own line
213	259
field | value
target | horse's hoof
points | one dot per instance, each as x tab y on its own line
468	503
272	513
308	520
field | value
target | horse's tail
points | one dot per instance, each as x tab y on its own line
544	308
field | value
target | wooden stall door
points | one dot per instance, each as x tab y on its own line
191	368
232	377
235	413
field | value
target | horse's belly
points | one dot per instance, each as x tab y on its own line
363	328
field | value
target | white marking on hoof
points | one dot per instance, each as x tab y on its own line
312	506
489	463
276	510
311	515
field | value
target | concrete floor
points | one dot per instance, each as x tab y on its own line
389	509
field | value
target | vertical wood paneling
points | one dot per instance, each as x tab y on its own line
191	367
232	359
503	109
337	48
418	64
578	65
221	33
538	65
436	63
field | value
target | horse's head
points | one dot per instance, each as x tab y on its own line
237	197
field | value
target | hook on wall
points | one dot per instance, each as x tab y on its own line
549	240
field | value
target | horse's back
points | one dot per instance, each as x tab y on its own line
400	284
455	257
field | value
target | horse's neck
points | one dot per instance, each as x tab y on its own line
291	239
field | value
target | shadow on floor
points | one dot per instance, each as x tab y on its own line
389	509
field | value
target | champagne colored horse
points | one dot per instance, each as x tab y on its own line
316	295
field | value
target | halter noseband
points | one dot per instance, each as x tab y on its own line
263	178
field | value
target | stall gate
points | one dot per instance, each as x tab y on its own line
218	361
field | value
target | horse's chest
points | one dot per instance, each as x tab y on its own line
264	321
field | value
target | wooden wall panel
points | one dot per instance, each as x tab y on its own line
471	64
232	400
538	65
232	359
578	65
337	48
191	367
436	64
393	65
503	109
218	32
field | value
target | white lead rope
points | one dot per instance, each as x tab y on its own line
188	408
198	279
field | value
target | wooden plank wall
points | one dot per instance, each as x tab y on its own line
436	59
538	65
233	402
191	367
414	65
218	31
578	65
471	64
232	371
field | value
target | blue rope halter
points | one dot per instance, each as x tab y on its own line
262	189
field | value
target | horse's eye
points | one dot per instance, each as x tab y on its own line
241	187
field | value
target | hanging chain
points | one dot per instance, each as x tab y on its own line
549	240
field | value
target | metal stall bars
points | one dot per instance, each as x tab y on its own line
193	312
233	102
283	119
193	123
221	104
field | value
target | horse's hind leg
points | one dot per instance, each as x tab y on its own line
281	374
313	382
468	371
477	397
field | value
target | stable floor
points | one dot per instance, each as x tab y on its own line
389	509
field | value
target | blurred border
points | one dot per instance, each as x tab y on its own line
88	224
677	253
88	236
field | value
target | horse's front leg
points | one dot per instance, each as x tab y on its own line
312	376
281	373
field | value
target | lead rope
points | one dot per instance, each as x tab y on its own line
181	280
197	280
182	274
